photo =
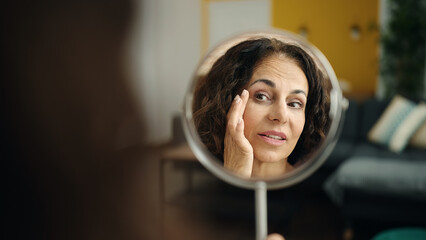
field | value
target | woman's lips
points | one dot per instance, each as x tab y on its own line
273	137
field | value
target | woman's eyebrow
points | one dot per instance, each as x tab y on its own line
272	84
266	81
298	91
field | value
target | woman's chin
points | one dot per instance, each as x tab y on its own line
269	158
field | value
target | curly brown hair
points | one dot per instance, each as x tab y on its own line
231	73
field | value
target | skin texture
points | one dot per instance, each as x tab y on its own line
275	100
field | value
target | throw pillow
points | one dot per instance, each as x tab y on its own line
398	123
408	128
418	140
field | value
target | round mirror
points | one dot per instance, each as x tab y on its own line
263	107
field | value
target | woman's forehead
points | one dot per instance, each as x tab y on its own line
280	68
274	58
276	64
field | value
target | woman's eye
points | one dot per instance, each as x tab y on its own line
296	104
261	97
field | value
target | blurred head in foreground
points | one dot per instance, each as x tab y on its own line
70	128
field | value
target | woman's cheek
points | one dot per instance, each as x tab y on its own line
248	111
252	112
301	123
251	118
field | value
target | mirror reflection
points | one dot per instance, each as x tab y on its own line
261	105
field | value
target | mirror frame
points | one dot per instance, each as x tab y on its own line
338	105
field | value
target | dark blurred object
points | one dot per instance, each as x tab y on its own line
70	129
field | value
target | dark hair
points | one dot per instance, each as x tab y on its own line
232	72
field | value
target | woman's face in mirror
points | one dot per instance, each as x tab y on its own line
262	108
274	115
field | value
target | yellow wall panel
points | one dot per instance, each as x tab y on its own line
328	24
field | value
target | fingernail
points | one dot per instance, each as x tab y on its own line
237	99
240	121
244	92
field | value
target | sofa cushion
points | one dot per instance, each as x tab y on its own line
395	113
418	140
404	177
408	128
371	110
398	123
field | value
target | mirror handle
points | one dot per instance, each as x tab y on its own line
261	211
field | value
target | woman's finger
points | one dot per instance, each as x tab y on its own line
232	112
237	108
242	108
237	131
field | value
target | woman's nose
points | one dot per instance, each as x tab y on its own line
279	113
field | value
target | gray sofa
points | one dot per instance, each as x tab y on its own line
367	181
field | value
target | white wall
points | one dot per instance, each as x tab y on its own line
165	48
230	17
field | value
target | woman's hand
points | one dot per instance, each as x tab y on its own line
238	152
